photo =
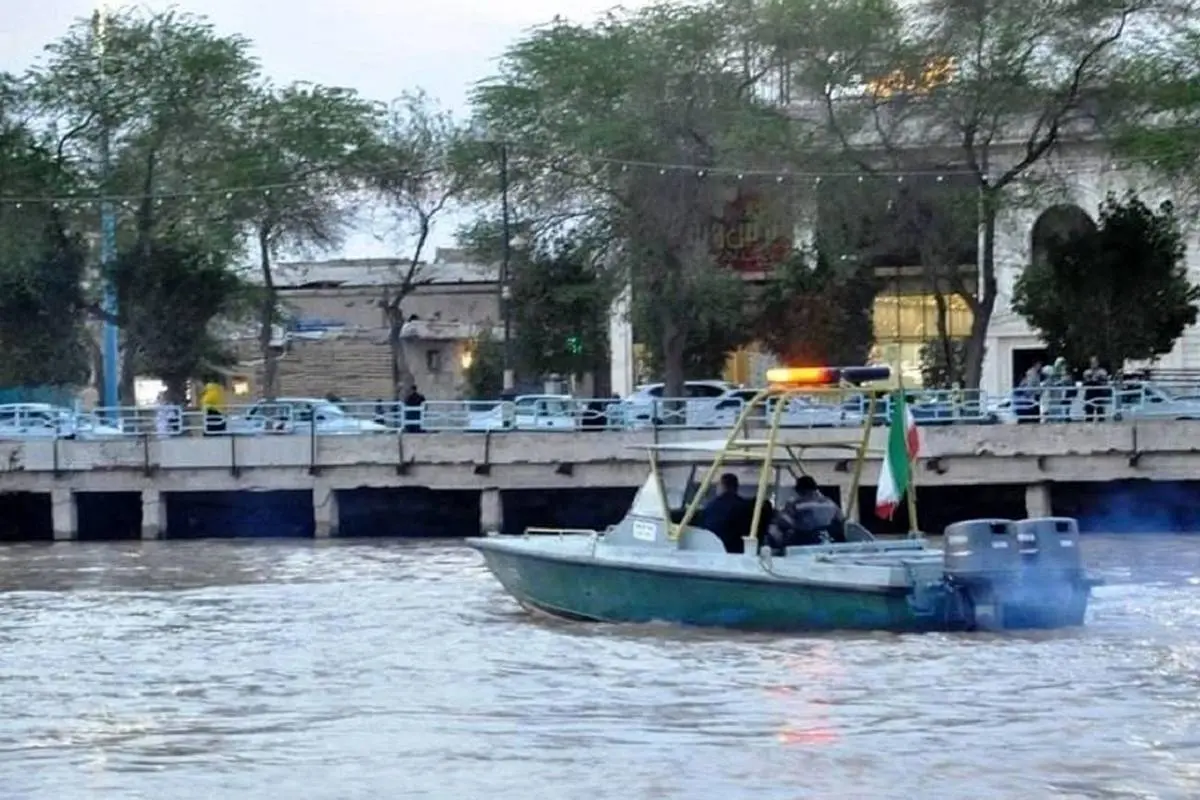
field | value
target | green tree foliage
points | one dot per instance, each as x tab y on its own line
420	170
186	285
311	143
668	84
560	304
721	325
1120	292
42	338
942	363
485	377
162	93
1160	90
813	313
964	79
165	91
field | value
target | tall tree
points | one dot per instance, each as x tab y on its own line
997	87
917	234
1161	129
1119	292
560	311
308	145
814	312
668	84
188	285
158	94
420	174
42	339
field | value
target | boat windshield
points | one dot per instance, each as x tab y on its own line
649	499
675	482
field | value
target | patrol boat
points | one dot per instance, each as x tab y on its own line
655	566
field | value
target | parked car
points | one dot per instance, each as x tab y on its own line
647	406
299	415
45	421
800	411
531	412
1144	400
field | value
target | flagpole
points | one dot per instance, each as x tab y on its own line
913	531
911	491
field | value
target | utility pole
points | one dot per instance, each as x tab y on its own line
108	235
510	377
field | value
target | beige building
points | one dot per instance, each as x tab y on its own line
335	336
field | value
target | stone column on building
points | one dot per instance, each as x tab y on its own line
491	511
620	337
1037	500
325	510
64	515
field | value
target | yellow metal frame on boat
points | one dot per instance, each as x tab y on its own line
736	447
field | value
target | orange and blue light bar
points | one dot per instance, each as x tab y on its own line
826	376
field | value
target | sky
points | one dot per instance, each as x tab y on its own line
378	47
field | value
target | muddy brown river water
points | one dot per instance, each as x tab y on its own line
171	671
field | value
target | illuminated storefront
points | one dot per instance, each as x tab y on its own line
904	324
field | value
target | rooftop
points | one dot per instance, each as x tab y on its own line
449	266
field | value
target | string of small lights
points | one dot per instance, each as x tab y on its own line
82	201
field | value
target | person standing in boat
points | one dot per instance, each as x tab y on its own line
808	518
728	515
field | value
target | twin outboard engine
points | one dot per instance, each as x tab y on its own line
1026	574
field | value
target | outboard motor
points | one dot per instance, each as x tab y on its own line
1053	544
1054	588
983	559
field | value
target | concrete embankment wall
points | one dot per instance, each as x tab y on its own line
351	481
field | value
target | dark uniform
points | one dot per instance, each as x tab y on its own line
808	518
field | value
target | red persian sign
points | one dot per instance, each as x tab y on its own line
747	239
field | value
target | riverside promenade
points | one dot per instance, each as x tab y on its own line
1033	456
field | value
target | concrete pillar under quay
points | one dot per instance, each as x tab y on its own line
64	515
325	510
491	511
154	515
1037	500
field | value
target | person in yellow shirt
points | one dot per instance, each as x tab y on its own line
212	403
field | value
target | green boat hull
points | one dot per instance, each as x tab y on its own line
601	591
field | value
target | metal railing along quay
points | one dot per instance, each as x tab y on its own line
544	413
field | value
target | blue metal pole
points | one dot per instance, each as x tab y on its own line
108	254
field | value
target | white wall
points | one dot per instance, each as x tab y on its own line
1083	181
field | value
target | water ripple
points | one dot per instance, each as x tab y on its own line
351	670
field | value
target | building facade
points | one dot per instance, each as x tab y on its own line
334	338
1064	189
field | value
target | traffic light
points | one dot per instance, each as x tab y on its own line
574	345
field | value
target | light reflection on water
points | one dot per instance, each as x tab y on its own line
342	671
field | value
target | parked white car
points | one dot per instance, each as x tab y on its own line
646	406
800	411
298	415
529	412
45	421
1151	401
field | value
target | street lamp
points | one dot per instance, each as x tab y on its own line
510	376
108	228
508	243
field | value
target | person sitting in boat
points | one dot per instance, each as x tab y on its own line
808	518
728	515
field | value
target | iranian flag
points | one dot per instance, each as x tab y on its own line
903	445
